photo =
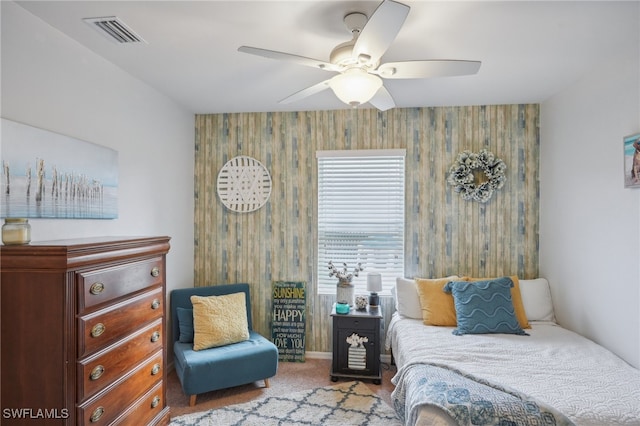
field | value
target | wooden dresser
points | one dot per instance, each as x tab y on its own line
83	332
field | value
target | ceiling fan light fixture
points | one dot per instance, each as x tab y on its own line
358	60
355	86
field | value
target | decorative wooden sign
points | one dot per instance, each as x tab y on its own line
288	321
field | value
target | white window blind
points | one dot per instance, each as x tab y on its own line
361	215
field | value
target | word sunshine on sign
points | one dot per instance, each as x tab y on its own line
288	322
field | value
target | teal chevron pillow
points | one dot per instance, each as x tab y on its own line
484	307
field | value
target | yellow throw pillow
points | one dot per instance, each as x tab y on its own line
518	306
437	306
219	320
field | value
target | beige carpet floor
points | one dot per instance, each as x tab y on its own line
291	377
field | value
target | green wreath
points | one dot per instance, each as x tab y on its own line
476	176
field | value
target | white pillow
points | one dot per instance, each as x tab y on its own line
407	298
536	298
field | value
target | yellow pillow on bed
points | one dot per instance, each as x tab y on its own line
518	306
437	306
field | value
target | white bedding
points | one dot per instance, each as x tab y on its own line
583	380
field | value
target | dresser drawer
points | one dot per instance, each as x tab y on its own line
97	372
145	409
101	286
103	327
108	406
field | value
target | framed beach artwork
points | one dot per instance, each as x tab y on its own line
49	175
632	161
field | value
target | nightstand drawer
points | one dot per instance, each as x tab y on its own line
356	323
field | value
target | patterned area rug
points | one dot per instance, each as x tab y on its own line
350	403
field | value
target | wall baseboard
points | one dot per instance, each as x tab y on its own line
318	355
386	358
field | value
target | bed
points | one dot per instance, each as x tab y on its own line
550	376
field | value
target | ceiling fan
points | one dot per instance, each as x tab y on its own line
357	61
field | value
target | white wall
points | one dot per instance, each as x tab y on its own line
52	82
590	224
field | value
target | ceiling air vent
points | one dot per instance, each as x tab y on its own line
114	29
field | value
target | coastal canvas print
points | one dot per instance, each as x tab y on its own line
49	175
632	161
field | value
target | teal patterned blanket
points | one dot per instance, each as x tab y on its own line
468	400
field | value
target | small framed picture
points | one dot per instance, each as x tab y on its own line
632	161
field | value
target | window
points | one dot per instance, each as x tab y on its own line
361	215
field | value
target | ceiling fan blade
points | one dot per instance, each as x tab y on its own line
427	69
312	90
382	100
282	56
380	31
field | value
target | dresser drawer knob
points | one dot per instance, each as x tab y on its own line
98	412
97	329
155	336
96	372
155	271
155	304
155	402
155	370
96	288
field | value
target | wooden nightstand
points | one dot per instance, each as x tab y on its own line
356	344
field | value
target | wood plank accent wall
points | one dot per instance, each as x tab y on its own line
444	234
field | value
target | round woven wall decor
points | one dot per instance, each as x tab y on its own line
244	184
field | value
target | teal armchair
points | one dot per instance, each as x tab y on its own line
219	367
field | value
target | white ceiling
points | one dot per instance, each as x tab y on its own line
529	50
